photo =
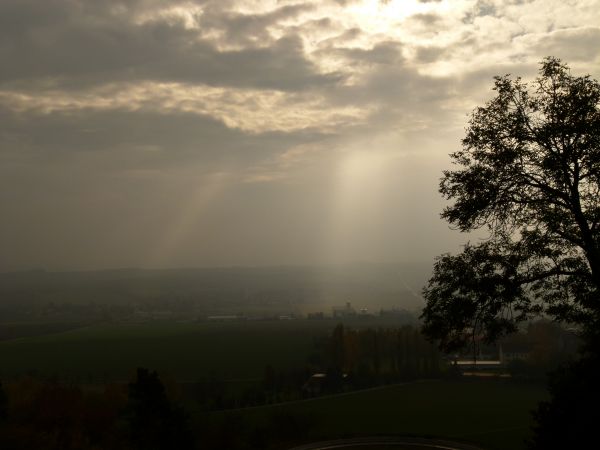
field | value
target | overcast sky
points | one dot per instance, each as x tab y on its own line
155	133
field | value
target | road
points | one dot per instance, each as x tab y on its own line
387	443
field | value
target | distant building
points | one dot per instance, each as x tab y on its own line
511	351
287	317
315	384
316	316
144	316
318	383
224	318
480	368
344	311
464	364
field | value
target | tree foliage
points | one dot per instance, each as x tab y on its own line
155	424
529	173
3	404
569	418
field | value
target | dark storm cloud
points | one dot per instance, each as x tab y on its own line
381	53
74	44
249	28
139	139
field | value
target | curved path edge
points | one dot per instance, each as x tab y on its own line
409	442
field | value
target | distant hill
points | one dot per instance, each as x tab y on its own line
372	286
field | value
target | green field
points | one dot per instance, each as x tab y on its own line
184	351
493	414
14	330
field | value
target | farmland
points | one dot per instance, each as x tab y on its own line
494	414
184	351
491	413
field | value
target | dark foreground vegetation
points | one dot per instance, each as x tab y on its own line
54	415
352	381
146	415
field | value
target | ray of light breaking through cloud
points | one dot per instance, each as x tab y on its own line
302	131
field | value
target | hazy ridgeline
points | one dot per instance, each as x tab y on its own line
116	294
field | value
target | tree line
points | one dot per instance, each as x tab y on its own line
368	357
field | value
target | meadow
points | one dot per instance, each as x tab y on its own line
184	351
492	413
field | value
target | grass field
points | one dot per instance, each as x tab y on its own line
14	330
493	414
185	351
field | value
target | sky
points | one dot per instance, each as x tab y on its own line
153	133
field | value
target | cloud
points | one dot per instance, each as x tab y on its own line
251	111
381	53
261	117
572	44
427	19
249	29
140	139
430	53
86	46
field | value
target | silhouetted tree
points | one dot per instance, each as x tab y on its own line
570	418
529	172
3	404
338	353
270	378
154	423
